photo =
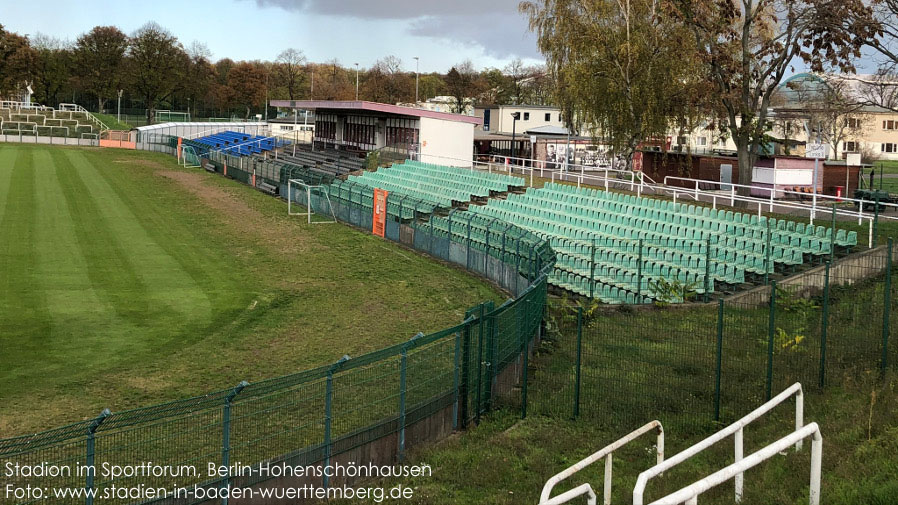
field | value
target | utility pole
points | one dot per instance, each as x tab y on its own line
356	81
416	81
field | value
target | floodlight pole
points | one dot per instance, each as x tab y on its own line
416	81
514	123
119	110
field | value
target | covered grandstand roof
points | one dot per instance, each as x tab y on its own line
361	105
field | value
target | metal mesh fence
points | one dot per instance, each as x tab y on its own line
713	362
385	398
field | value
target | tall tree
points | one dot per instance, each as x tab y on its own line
832	113
99	62
496	87
156	63
16	61
463	83
622	67
516	73
247	82
747	46
199	74
52	70
290	69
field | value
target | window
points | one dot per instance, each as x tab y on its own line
526	116
852	122
287	128
849	146
548	117
890	125
889	148
701	141
682	140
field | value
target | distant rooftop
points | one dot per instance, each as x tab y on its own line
361	105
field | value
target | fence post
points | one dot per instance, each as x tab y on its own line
771	323
708	270
91	453
579	361
465	373
886	308
824	325
226	434
832	236
403	376
328	411
592	269
767	255
455	380
479	394
876	220
639	274
719	363
525	351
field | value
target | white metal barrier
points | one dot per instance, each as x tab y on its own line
77	108
606	454
735	430
690	494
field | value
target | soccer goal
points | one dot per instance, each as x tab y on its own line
172	115
296	187
189	157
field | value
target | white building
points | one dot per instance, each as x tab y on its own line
500	119
431	136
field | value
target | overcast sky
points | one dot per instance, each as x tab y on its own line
440	32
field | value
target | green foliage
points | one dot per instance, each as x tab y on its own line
672	291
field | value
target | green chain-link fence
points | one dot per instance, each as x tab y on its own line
380	402
713	362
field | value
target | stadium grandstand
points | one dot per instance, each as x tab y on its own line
235	143
441	186
69	120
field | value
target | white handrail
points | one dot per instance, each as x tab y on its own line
582	489
689	494
734	429
772	191
77	108
605	453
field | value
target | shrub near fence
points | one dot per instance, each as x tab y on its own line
713	362
362	408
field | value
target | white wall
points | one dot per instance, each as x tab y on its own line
446	142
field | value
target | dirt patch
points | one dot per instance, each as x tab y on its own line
279	236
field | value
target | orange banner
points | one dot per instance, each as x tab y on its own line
179	148
379	222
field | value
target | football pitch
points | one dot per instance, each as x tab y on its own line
126	280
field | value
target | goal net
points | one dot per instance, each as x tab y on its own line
171	115
301	195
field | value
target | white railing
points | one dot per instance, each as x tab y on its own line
606	454
690	494
771	199
74	107
735	430
16	105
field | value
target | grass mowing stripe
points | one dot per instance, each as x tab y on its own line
165	282
229	294
22	308
7	160
108	265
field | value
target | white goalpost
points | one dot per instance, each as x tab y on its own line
189	157
307	189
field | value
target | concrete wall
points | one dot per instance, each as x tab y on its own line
184	129
31	139
844	272
446	142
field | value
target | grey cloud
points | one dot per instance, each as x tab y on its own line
395	9
496	26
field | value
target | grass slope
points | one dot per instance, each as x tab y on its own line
126	280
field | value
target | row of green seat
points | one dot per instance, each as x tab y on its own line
437	199
720	220
507	180
455	191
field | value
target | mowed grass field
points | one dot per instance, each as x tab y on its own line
126	280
